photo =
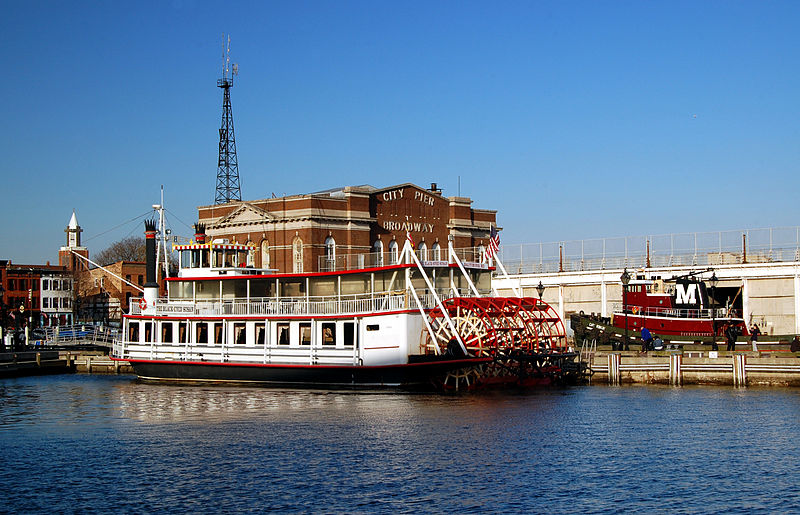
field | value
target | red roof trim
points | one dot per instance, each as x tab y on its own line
280	276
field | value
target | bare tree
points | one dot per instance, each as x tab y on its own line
131	248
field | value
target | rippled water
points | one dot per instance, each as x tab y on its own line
108	443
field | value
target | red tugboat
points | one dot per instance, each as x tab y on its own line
675	307
672	308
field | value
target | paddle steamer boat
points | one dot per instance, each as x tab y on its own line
385	319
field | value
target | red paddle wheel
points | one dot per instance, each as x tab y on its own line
525	336
487	324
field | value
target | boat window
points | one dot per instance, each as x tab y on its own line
133	331
373	327
262	288
217	258
355	283
261	332
349	333
292	287
182	326
148	331
218	333
202	332
234	289
329	333
166	332
305	333
239	333
186	259
283	334
322	286
207	289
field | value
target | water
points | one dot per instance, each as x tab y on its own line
78	443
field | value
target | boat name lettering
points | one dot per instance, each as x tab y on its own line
408	226
175	309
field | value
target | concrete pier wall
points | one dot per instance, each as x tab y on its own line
735	369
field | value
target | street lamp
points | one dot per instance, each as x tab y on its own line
713	282
540	290
625	278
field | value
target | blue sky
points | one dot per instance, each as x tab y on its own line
573	119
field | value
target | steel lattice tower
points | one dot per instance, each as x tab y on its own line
228	188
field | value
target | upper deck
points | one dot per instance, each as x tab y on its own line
216	280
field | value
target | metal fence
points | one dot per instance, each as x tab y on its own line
776	244
79	334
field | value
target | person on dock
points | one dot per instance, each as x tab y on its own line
647	339
754	332
795	345
730	334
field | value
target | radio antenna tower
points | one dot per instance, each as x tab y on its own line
228	188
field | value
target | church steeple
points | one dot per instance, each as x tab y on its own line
73	231
66	254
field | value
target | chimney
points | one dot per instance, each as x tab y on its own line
434	188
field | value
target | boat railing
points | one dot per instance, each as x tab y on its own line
474	256
297	306
655	311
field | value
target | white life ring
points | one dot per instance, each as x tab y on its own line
142	304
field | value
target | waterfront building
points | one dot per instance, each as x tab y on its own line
103	295
319	231
35	295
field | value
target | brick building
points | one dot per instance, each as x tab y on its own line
103	295
35	295
311	232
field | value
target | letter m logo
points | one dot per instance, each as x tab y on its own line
685	293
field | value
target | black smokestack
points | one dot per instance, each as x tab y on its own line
200	233
150	253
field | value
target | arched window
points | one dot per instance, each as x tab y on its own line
481	253
377	249
423	251
436	252
393	252
251	254
264	254
297	256
330	253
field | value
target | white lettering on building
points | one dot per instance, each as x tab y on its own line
408	226
425	199
392	195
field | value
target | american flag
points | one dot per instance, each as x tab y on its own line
494	244
410	239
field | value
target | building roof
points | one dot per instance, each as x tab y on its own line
73	221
